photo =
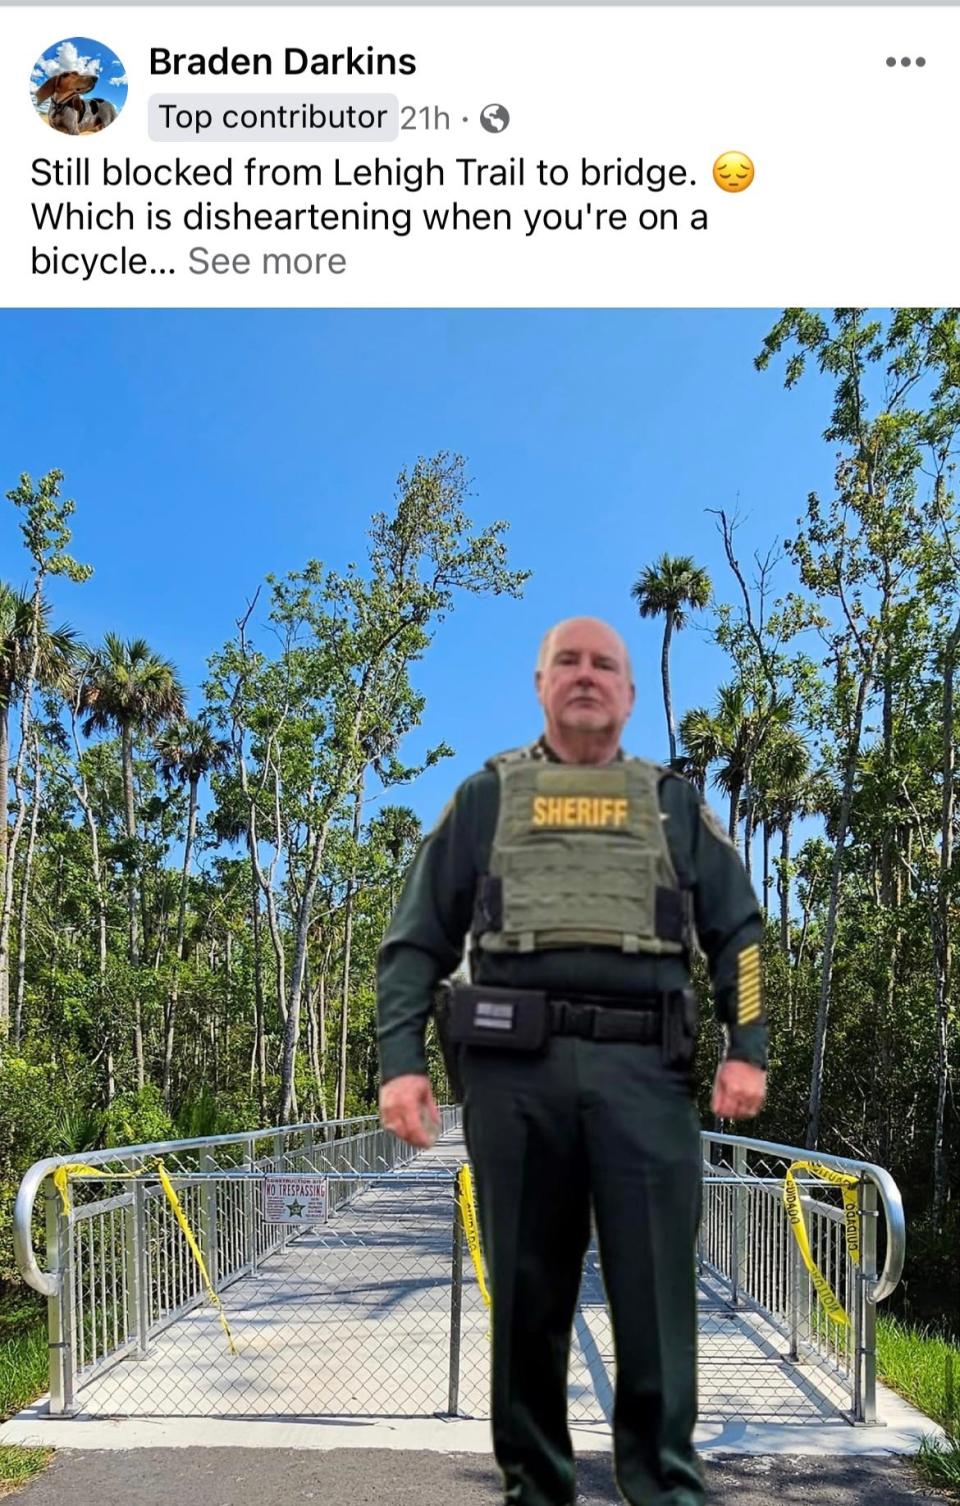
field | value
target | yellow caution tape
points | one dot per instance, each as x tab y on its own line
847	1182
468	1213
77	1168
181	1218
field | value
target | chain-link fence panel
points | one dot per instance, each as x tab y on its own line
121	1269
348	1317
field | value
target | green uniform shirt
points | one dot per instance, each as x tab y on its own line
425	939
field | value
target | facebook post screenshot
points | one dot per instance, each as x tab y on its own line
479	637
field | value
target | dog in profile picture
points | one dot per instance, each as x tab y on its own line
79	87
69	111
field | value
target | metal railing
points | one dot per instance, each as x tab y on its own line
751	1263
119	1271
386	1287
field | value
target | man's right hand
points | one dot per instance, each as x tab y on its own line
404	1102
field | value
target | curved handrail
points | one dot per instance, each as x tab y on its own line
48	1282
886	1282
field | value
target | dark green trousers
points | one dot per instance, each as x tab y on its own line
601	1123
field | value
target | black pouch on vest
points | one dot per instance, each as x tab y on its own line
509	1019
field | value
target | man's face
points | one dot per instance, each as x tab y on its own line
584	686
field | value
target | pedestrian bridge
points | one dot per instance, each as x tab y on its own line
375	1310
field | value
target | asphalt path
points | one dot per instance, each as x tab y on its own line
387	1477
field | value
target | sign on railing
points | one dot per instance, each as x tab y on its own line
291	1199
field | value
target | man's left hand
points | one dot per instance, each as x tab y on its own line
739	1090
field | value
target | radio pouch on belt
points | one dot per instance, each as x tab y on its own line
680	1029
448	1047
509	1019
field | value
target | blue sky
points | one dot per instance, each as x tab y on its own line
206	448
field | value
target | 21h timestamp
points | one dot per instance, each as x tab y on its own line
424	118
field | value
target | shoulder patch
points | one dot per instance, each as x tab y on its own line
665	772
714	825
526	753
644	763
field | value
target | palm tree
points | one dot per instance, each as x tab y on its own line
670	587
721	736
129	689
733	736
782	780
700	740
21	618
186	753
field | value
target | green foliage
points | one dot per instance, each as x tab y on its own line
924	1368
939	1464
75	1128
929	1294
44	526
197	1117
671	588
137	1118
329	711
29	1103
215	941
24	624
222	1114
129	687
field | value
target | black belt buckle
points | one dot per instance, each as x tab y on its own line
574	1019
605	1022
609	1024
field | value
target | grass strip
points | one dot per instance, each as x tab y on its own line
23	1368
19	1464
924	1368
939	1464
916	1363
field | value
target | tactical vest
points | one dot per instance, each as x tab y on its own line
579	858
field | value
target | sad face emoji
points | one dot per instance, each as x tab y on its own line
733	172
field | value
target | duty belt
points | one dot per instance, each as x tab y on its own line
524	1019
638	1020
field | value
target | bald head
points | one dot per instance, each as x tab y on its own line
590	623
585	685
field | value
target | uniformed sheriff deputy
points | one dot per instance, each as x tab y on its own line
579	875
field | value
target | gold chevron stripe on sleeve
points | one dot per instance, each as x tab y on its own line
749	1005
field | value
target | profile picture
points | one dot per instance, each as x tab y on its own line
78	86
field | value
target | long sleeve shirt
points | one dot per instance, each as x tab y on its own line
425	940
